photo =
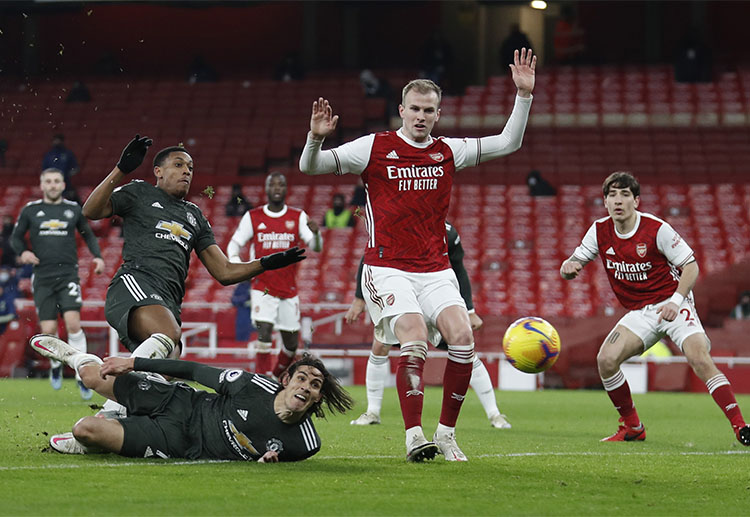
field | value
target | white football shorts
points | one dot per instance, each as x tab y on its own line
390	292
644	324
282	312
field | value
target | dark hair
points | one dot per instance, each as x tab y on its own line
58	136
621	180
272	175
162	155
54	170
335	397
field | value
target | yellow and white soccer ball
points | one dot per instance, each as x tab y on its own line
531	344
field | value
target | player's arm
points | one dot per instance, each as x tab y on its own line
688	277
679	254
309	232
189	370
18	243
227	272
571	267
358	304
99	203
93	245
241	235
351	157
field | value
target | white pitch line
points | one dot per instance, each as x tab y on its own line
157	463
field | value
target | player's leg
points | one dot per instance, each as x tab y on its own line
481	383
378	369
411	331
288	325
77	339
265	312
55	366
620	345
696	350
453	324
290	343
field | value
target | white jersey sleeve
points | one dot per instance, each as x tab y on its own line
306	235
349	158
588	250
242	234
672	246
470	152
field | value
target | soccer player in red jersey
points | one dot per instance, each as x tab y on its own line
408	283
652	271
270	228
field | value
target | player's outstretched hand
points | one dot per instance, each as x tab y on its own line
322	121
134	153
283	258
524	71
269	457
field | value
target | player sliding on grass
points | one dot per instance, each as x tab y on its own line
160	231
652	271
408	283
250	417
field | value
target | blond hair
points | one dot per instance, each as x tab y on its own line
422	86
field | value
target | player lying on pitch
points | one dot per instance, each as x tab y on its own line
250	417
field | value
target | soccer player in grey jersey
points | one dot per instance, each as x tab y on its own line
51	223
160	230
250	417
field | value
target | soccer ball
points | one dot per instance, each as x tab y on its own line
531	344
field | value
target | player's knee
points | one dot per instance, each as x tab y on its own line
605	361
85	429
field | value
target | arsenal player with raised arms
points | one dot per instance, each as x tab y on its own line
652	271
270	228
408	282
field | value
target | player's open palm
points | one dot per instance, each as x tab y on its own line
524	70
322	121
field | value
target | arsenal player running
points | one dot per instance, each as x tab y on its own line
408	283
643	256
270	228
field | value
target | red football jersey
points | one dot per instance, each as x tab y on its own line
270	235
639	267
408	193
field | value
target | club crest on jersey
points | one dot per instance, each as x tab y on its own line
68	214
274	444
641	249
191	219
289	225
438	157
390	299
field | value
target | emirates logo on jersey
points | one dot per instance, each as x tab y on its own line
289	225
438	157
641	249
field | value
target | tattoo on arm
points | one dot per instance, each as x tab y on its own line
613	336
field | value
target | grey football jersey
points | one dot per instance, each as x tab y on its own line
52	232
159	233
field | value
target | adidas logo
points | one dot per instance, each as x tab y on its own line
156	204
610	251
392	155
149	453
40	213
243	414
262	226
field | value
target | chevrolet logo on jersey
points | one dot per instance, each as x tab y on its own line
241	444
53	227
175	232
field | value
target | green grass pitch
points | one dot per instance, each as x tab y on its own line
550	463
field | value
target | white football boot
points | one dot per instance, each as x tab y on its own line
448	446
366	419
500	421
53	347
67	444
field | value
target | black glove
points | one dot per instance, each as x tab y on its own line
282	258
134	153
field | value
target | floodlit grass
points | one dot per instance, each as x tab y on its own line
550	463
